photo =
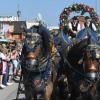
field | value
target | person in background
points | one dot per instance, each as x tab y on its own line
4	67
74	27
1	68
81	22
14	55
10	69
89	24
6	60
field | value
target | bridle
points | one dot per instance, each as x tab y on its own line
91	62
33	44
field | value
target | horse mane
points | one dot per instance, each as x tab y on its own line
44	32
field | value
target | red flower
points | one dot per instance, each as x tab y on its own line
96	18
61	16
81	5
88	9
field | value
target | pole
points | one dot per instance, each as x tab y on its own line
18	13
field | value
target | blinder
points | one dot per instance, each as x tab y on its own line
94	49
33	40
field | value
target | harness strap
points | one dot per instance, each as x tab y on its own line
71	67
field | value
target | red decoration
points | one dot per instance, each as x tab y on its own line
88	9
81	5
96	18
91	9
62	17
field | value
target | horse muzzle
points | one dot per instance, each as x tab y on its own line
91	75
91	67
31	64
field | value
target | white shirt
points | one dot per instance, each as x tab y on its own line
78	27
93	27
2	55
4	63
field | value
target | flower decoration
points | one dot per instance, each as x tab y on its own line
78	8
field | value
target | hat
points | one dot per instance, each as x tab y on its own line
81	18
75	18
87	17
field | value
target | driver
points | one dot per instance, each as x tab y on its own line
88	23
74	27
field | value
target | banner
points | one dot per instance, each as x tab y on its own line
8	18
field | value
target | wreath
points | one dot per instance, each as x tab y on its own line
78	8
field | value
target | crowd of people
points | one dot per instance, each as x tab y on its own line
9	63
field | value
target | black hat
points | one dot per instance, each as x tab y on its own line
75	18
87	17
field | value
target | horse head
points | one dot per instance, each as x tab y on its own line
36	46
90	53
90	49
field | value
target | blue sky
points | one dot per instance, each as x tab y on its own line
49	9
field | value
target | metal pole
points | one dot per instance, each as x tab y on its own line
18	13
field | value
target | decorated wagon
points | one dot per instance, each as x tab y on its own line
80	54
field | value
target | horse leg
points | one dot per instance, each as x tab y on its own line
27	95
28	92
48	91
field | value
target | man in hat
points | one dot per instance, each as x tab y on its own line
81	21
89	24
74	27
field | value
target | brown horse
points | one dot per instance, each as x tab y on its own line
91	69
81	67
49	85
36	67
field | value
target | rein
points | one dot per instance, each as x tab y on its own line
71	67
75	70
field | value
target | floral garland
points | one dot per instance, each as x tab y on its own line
77	8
